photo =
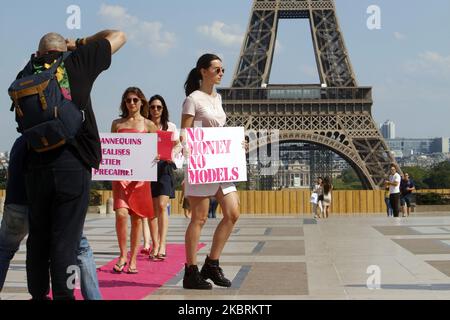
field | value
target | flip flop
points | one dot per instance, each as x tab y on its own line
118	268
132	271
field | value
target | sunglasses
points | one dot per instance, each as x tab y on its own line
218	70
134	100
159	108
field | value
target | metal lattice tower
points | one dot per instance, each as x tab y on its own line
335	114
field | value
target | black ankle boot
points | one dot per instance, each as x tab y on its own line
211	270
193	279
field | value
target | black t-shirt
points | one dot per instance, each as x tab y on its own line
83	67
15	185
404	184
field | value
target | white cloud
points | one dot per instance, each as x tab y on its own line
399	36
222	33
429	62
144	33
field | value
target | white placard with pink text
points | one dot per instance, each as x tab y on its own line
216	155
127	157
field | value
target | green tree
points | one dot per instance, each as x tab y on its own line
418	175
348	180
439	176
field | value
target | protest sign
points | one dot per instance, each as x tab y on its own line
165	145
216	155
127	157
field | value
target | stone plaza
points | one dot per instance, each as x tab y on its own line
300	258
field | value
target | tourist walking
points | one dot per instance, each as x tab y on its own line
317	198
326	202
394	190
407	186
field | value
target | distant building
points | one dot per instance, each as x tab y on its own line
388	129
440	145
405	147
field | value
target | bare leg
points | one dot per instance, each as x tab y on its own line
320	204
163	223
230	209
136	229
121	231
199	207
153	224
146	232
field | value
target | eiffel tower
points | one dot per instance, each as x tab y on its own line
335	115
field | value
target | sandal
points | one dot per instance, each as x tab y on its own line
145	251
132	271
118	268
152	256
161	256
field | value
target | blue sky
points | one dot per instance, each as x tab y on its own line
407	61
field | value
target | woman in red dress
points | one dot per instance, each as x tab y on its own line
131	198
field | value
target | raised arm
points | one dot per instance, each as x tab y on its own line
116	38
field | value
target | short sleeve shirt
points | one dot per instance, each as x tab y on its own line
395	178
84	65
173	128
205	109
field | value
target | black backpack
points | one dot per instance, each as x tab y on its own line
45	117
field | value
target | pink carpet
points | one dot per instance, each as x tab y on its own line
152	275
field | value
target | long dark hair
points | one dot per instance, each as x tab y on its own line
165	111
326	186
140	94
193	80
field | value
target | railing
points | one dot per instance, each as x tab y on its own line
295	202
307	93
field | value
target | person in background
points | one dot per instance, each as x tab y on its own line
389	211
184	201
317	204
394	190
213	204
407	186
327	189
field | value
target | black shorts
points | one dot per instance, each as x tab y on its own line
163	187
405	199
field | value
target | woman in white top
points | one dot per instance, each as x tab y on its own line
203	107
326	202
318	190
